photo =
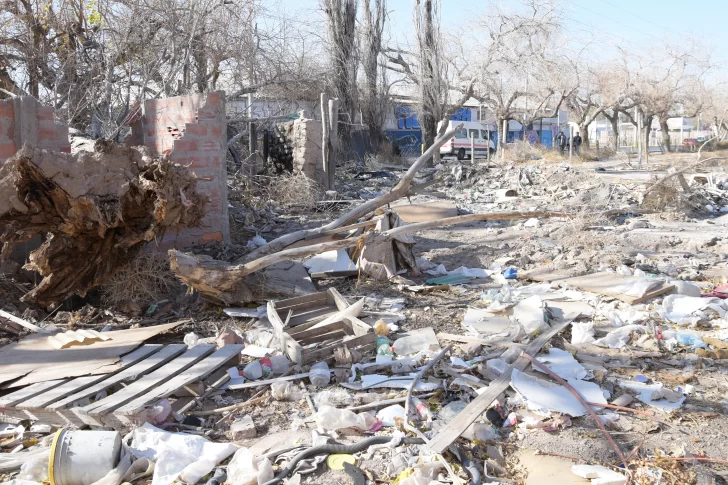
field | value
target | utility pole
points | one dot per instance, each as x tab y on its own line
639	136
252	137
503	141
487	144
472	146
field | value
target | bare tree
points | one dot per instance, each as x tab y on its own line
342	45
375	94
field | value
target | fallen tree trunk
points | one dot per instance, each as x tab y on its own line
227	283
97	211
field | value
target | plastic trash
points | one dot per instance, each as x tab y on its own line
381	328
383	346
277	364
178	456
389	414
685	338
247	469
14	461
35	469
336	397
191	339
582	333
159	413
497	366
449	411
686	288
319	374
328	418
286	391
422	410
510	274
412	343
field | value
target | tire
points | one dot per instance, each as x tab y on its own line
461	154
491	151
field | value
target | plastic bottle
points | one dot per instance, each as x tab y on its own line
285	391
319	374
448	412
422	410
278	364
383	347
381	328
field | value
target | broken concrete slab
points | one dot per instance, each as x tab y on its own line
242	429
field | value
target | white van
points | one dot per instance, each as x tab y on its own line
459	145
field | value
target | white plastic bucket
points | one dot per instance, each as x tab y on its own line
81	457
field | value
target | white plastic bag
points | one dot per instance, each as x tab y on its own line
529	313
177	455
582	333
247	469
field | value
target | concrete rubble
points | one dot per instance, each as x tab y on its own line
578	332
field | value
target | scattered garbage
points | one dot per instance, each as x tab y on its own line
81	456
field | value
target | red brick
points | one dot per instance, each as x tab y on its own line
185	145
216	131
6	109
46	134
213	99
210	146
65	149
45	113
207	114
7	150
195	129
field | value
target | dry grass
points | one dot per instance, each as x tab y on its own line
295	190
144	280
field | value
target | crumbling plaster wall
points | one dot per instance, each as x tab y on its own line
305	137
191	129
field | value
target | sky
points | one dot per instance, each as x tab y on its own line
631	24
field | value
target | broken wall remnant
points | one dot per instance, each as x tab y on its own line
191	131
304	136
25	120
98	210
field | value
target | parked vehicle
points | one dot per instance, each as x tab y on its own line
459	145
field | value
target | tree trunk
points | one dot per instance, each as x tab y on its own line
666	134
614	121
647	129
584	132
499	128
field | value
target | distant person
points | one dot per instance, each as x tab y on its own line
577	142
561	142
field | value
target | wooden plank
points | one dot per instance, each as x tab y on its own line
314	314
151	363
198	371
336	333
22	323
340	302
299	301
147	382
477	407
316	331
80	383
29	392
358	327
326	352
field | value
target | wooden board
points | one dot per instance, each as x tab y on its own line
33	360
249	384
29	392
198	371
77	384
140	386
146	366
477	407
603	284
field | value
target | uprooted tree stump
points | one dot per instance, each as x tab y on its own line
97	211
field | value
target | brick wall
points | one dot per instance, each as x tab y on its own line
25	120
191	130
